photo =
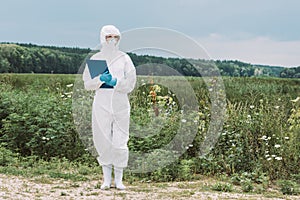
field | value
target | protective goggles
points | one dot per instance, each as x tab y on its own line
112	36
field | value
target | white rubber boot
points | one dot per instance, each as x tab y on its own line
107	170
118	178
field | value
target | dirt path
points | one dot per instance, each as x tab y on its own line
14	187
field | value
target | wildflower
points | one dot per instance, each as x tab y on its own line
264	137
267	155
157	88
278	158
191	145
44	138
295	100
251	106
183	120
273	156
276	107
286	138
70	85
277	146
269	159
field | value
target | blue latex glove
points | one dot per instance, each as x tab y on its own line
112	82
105	77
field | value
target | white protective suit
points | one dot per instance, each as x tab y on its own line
111	108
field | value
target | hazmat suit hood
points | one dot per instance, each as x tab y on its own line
109	30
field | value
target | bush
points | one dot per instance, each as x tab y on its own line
289	187
223	187
39	123
247	185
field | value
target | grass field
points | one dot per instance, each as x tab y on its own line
257	151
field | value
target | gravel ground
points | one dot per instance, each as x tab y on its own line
15	188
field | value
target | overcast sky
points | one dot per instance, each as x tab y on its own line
254	31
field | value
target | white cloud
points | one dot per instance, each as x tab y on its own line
255	50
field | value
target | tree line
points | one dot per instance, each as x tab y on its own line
291	72
30	58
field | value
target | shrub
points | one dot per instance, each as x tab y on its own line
222	187
289	187
39	123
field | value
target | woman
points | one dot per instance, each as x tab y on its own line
111	108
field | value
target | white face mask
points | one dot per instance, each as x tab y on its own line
112	41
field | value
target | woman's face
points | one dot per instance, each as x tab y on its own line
111	37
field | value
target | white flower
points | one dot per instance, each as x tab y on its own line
273	156
264	137
70	85
44	138
251	106
278	158
286	138
277	146
276	107
269	159
191	145
183	120
295	100
267	155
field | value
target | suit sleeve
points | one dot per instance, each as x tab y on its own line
127	83
89	83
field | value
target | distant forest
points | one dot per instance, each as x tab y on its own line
30	58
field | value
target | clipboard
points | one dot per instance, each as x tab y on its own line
96	67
